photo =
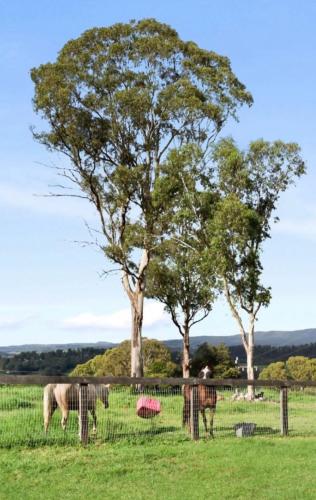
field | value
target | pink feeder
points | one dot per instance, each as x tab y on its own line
148	408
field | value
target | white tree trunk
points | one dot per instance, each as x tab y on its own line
136	298
137	369
186	354
250	360
248	339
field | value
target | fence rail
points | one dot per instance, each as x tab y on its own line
63	379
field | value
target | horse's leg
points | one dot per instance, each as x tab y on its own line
48	417
204	420
92	411
64	417
212	413
49	406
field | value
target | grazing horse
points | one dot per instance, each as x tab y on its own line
66	397
207	399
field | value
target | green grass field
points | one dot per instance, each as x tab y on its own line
261	468
136	458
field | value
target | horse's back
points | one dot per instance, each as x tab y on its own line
67	396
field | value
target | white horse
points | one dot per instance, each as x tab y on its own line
66	397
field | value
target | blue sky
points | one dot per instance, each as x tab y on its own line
51	290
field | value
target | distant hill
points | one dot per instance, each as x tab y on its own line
16	349
270	338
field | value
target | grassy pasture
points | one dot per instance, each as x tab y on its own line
135	458
21	421
258	467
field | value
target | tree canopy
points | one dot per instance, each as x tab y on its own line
251	182
218	359
117	361
115	100
295	368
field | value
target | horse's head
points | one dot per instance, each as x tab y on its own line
206	372
103	394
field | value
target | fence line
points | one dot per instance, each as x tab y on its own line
63	379
284	395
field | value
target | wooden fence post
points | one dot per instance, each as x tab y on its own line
83	413
194	412
284	415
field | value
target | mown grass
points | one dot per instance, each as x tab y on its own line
257	467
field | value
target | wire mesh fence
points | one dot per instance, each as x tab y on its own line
116	413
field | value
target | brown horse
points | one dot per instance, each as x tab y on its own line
66	397
207	399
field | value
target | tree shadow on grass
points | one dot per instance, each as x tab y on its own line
120	430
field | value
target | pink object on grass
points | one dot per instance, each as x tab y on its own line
147	408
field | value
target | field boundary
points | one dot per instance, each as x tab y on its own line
63	379
283	386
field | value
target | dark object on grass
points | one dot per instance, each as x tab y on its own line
245	429
259	395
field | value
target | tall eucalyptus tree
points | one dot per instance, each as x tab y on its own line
115	101
250	183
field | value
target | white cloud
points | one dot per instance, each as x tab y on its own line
154	315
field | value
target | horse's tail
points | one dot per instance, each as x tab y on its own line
49	404
186	406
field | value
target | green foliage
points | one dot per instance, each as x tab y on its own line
115	100
178	275
274	371
251	182
177	278
218	358
295	368
117	361
301	368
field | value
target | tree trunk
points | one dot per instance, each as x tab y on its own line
137	369
250	363
248	339
136	296
186	353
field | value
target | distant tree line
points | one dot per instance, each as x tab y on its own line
48	363
158	359
265	354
